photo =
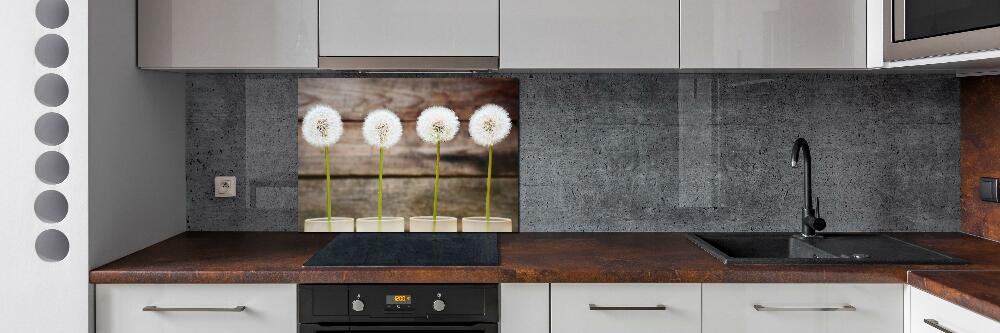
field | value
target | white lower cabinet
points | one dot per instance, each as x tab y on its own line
569	308
196	308
524	307
930	314
625	307
815	308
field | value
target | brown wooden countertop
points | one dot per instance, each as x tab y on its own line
277	257
978	291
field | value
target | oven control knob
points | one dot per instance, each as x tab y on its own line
358	305
438	305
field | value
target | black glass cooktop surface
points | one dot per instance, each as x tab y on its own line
408	249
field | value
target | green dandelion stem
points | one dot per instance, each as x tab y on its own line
437	176
381	160
329	204
489	178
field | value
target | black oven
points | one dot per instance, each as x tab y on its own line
927	28
454	308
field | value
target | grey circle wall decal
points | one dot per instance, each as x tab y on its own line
51	206
51	90
52	167
51	129
51	51
52	245
52	13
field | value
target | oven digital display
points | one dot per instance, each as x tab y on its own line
398	299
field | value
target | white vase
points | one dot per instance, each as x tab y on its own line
426	224
478	224
335	224
389	224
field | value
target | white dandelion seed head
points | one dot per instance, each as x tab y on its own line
322	126
489	125
437	124
382	128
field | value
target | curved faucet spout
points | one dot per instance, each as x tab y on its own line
807	188
800	145
810	222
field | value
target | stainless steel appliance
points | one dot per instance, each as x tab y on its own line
469	308
916	29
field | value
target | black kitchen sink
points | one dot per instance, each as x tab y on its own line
837	248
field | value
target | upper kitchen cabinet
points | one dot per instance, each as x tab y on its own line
207	34
407	34
589	34
779	34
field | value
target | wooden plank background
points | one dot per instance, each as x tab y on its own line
408	196
351	156
409	166
407	97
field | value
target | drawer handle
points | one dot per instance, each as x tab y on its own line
935	324
154	308
658	307
848	307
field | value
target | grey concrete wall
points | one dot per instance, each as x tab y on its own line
640	152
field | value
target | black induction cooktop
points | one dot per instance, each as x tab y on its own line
408	249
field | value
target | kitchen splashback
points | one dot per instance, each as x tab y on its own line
408	187
980	142
638	152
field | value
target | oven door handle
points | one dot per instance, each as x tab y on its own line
485	328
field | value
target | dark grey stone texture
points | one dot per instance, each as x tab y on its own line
243	126
640	152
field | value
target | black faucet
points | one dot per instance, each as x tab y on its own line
810	221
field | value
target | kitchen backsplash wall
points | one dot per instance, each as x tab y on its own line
980	147
639	152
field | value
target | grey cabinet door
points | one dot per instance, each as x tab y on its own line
773	34
408	28
589	34
228	33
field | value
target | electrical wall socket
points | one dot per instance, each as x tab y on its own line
225	187
988	189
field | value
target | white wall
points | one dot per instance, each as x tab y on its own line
126	135
137	188
38	295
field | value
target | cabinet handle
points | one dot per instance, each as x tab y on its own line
660	307
848	307
159	309
935	324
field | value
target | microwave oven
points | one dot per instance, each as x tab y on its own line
915	29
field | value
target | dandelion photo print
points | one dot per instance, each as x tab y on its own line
425	149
